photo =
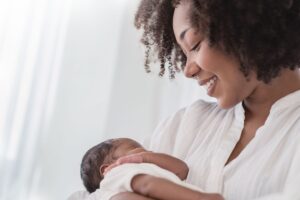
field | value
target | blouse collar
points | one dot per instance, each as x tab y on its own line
291	100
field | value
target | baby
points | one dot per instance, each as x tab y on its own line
123	165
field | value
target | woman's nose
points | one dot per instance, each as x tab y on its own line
191	69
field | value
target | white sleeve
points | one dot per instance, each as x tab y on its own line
164	136
291	189
182	126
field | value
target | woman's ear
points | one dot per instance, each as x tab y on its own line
102	169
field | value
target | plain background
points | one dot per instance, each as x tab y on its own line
101	91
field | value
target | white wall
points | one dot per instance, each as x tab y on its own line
103	92
139	100
83	91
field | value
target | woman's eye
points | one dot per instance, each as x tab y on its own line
196	47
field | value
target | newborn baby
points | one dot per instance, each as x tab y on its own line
123	165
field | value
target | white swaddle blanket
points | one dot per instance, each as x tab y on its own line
119	180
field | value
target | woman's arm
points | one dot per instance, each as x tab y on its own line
167	162
159	188
129	196
164	161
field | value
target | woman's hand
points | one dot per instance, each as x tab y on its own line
209	196
129	196
163	189
134	196
135	156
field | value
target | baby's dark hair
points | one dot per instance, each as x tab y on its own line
262	34
91	162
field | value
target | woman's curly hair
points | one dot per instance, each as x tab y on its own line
263	34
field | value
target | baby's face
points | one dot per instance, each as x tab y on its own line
127	147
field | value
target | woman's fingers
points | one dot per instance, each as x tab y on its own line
135	158
107	169
207	196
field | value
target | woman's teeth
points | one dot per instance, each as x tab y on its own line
210	83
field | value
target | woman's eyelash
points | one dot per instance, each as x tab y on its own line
196	46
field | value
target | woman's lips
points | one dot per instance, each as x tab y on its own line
209	83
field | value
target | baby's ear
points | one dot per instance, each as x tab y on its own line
102	169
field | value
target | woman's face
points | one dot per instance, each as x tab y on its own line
214	69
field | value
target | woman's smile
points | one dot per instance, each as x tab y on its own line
209	84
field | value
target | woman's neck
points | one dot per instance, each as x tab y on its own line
259	103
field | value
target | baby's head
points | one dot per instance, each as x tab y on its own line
101	156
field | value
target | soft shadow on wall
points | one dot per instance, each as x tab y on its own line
83	95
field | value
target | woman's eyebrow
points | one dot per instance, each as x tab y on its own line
182	34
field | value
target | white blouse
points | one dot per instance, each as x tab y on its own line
203	135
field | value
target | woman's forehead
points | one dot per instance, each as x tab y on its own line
181	21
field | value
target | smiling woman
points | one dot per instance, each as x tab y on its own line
210	64
247	53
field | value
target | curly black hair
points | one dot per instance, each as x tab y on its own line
91	162
264	35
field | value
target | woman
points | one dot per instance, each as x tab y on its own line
246	54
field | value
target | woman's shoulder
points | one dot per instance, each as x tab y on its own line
197	107
187	119
200	112
203	108
203	104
